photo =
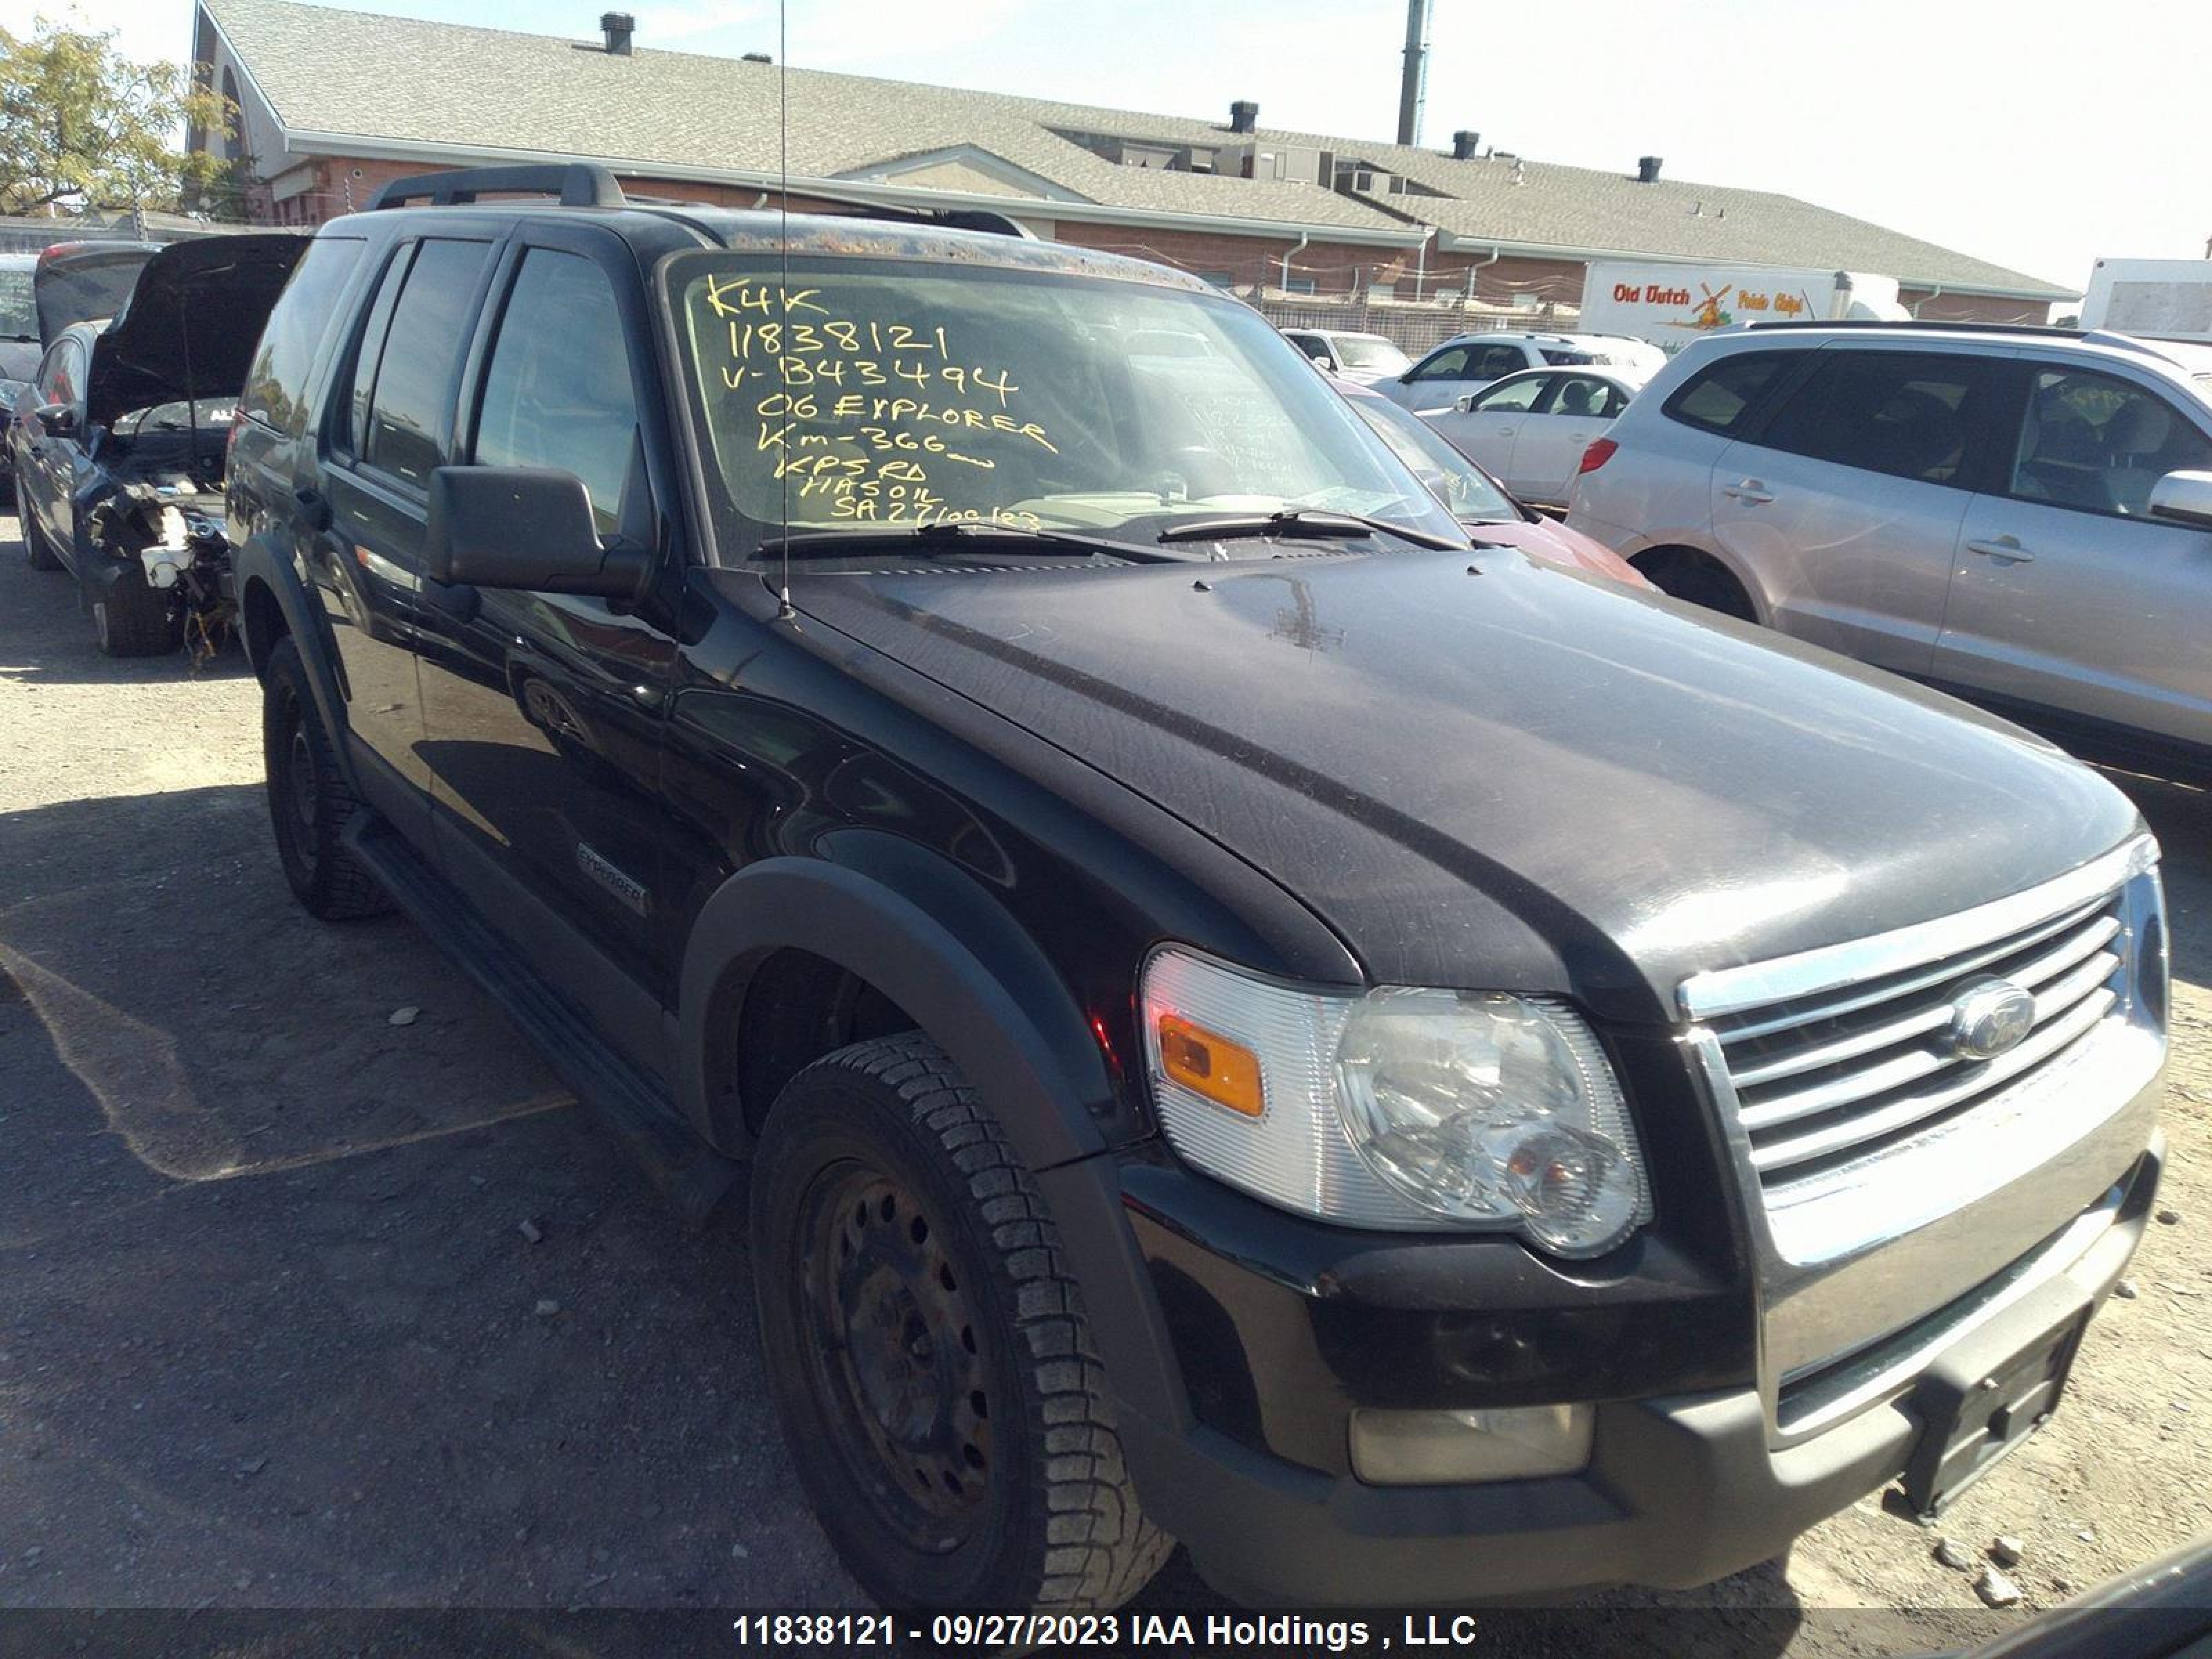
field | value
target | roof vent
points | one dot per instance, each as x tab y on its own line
1647	169
1465	145
618	26
757	58
1243	115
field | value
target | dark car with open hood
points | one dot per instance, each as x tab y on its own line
1247	1018
118	446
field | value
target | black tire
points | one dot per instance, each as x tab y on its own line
35	550
130	619
309	801
927	1350
1699	580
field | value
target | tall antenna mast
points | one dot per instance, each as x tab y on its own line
783	608
1414	89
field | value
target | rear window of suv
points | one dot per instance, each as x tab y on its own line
1716	399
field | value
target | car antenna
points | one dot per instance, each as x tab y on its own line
784	611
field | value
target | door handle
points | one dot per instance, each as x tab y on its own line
1750	492
2006	550
1504	431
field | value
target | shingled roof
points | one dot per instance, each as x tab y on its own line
346	82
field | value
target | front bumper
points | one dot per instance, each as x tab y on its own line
1681	1489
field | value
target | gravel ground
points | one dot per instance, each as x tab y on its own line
306	1302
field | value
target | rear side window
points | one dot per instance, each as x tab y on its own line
1496	361
276	385
1562	356
405	432
558	392
1913	415
1716	399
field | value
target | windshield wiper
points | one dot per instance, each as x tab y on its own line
1304	521
932	540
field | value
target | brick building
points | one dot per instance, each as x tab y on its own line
332	103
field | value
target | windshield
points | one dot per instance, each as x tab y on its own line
867	396
1461	485
1370	351
19	316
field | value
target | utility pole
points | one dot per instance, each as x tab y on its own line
1412	90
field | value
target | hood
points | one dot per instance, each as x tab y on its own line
1548	539
1508	776
191	324
84	281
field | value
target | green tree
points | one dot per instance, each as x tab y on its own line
80	122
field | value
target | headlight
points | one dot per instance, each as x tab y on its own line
1399	1108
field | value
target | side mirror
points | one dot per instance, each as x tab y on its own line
1465	404
56	420
526	527
2183	497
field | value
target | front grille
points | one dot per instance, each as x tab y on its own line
1849	1073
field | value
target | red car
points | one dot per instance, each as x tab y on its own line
1477	500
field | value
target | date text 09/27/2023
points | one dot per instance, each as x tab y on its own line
1415	1631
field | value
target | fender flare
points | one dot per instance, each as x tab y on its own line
933	942
937	945
252	564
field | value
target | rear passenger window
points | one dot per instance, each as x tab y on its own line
275	390
1906	414
558	392
1716	399
405	432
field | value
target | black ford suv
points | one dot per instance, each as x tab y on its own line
1251	1020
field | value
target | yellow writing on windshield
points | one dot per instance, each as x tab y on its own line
869	419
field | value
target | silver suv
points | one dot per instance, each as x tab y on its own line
2023	516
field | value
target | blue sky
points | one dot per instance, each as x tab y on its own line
2039	137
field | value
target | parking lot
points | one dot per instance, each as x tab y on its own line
321	1294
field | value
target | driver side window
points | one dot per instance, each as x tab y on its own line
1515	396
62	374
2099	443
558	392
1450	364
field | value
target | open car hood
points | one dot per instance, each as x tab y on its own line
190	326
79	282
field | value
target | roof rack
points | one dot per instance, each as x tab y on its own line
587	183
2088	337
578	184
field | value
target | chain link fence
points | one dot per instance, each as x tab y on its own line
1413	329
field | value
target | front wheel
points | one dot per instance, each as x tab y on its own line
36	552
928	1349
132	619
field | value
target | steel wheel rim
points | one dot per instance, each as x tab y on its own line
896	1356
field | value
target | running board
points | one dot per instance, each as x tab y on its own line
692	1174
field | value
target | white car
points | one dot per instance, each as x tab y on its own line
1472	361
1531	428
1363	359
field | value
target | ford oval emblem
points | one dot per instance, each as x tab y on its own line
1988	1016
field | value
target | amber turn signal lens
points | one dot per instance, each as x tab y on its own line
1227	1073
